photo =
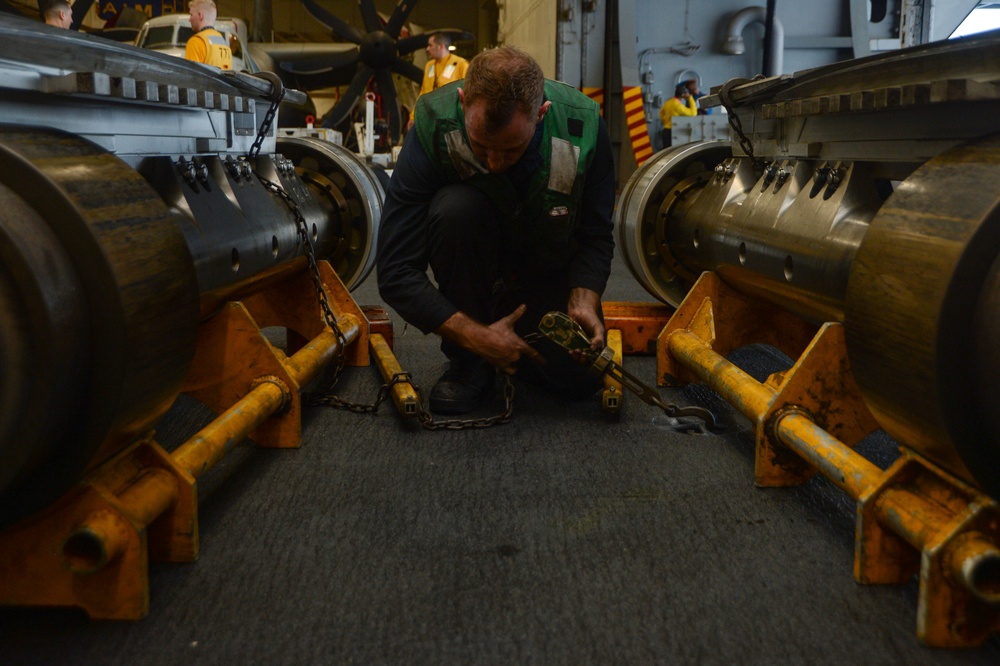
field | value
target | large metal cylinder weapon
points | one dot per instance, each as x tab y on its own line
129	212
865	193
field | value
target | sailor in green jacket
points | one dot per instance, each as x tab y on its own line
505	188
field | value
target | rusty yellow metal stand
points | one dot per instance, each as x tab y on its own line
91	548
612	395
632	329
639	324
403	395
914	517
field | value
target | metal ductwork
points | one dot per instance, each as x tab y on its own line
733	43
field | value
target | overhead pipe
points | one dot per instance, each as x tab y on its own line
734	45
768	67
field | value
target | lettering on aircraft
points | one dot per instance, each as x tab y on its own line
109	9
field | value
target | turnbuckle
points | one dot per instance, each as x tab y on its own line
569	335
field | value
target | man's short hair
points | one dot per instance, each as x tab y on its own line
508	80
50	8
442	38
203	4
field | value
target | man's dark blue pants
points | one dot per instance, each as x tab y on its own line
475	263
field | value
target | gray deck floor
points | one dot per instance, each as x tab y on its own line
562	537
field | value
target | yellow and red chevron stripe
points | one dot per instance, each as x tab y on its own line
635	117
596	94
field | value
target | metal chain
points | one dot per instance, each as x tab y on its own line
428	422
736	123
426	418
265	126
310	253
302	229
325	396
330	400
745	143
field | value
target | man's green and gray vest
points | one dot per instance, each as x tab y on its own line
544	220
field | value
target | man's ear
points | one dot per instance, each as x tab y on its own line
543	110
461	98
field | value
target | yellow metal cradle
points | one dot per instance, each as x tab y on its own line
91	548
913	518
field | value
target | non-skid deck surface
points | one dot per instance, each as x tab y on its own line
562	537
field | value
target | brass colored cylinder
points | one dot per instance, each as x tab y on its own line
108	347
914	301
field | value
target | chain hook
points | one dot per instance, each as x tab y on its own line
277	94
725	97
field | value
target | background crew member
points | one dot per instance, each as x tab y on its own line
696	94
681	104
56	13
442	66
207	44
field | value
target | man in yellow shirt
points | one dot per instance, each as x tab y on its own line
681	104
207	44
442	66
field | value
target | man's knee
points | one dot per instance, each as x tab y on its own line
460	212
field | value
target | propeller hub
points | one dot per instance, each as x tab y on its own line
378	49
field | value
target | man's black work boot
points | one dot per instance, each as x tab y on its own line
463	386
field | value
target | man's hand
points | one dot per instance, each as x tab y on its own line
497	343
582	307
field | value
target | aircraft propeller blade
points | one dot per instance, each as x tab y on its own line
407	69
350	98
399	16
372	59
456	34
79	11
340	28
300	69
410	44
390	105
321	64
370	15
